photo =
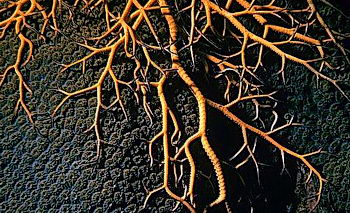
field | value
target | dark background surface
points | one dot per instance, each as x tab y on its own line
46	166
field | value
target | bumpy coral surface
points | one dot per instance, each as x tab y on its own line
66	150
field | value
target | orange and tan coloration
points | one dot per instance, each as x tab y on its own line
125	40
122	41
22	11
202	101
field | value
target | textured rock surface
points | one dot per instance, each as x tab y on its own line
47	167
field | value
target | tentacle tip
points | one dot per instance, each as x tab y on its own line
52	115
31	119
63	69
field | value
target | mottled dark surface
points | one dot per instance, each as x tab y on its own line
47	166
